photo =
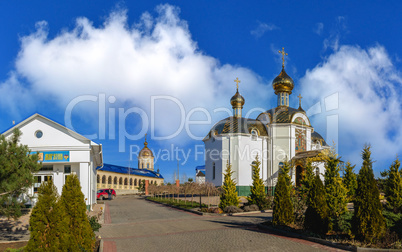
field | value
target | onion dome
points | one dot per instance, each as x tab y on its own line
283	83
237	100
146	152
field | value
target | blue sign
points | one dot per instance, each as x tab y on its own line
54	156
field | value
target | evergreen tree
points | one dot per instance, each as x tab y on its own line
316	218
257	196
48	223
17	166
368	223
393	187
229	196
335	191
283	208
307	180
82	237
349	181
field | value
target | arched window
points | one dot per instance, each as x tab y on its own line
115	181
147	165
109	180
131	182
213	170
97	179
142	165
254	134
135	182
103	179
126	181
120	181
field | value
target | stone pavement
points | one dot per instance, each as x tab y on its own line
133	224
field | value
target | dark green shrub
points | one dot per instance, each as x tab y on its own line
316	218
344	223
393	221
283	209
95	225
393	187
336	193
368	223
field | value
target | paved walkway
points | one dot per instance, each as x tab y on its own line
133	224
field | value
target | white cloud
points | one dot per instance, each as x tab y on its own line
262	28
156	56
369	90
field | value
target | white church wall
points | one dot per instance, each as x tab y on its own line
213	155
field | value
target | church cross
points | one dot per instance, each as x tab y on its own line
300	97
237	82
283	56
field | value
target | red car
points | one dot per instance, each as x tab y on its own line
104	194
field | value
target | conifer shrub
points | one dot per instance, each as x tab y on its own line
283	209
82	237
257	190
95	225
307	180
368	223
229	195
349	181
335	190
48	224
316	217
393	187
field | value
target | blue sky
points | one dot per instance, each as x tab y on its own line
152	67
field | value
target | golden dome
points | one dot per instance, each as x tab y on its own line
146	152
237	100
283	83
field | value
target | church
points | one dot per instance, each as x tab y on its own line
277	135
126	180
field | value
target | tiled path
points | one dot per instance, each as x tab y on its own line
133	224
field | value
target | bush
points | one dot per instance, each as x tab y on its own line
95	225
232	209
344	223
257	190
251	208
48	223
368	222
393	221
283	209
229	196
72	199
316	218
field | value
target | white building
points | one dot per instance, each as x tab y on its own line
62	152
200	174
276	135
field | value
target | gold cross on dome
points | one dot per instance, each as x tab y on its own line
237	82
283	56
300	97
